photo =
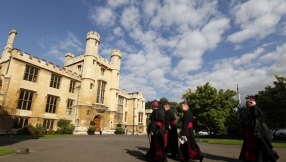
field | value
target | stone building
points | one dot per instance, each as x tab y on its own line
85	89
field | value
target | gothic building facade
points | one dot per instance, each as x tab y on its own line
85	89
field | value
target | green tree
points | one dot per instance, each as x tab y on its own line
162	102
213	109
148	105
272	101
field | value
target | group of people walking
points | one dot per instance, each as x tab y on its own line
164	136
256	147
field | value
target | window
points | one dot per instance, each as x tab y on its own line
25	100
31	73
51	104
72	84
102	71
69	107
21	122
91	85
48	123
100	92
88	112
125	118
55	81
93	62
79	68
140	117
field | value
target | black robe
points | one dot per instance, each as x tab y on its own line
190	149
156	151
257	145
171	135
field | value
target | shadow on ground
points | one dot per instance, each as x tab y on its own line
6	140
220	158
137	154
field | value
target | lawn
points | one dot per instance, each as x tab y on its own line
275	143
6	151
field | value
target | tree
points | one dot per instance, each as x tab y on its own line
162	102
148	105
272	101
7	112
213	109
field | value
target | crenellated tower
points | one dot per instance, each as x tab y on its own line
89	66
115	76
9	46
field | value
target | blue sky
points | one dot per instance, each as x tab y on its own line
167	46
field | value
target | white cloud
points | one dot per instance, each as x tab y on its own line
226	74
257	19
164	42
183	14
117	3
130	18
283	29
102	16
150	7
135	60
60	46
238	47
125	47
118	31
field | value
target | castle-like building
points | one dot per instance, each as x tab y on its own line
85	89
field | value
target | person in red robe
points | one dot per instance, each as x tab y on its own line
256	146
156	151
189	149
171	134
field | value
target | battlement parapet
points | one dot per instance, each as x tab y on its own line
104	61
13	31
93	35
75	59
116	52
41	63
69	54
35	58
122	94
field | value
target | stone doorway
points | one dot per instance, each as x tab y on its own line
97	123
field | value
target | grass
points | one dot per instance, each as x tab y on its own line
46	136
275	143
6	151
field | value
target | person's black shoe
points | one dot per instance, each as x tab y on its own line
146	157
202	157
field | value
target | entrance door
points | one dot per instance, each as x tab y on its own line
97	123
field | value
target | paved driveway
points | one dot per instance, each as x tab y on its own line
105	148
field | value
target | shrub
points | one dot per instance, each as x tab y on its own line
69	129
25	130
92	123
91	129
64	127
37	130
50	131
62	123
119	125
119	130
